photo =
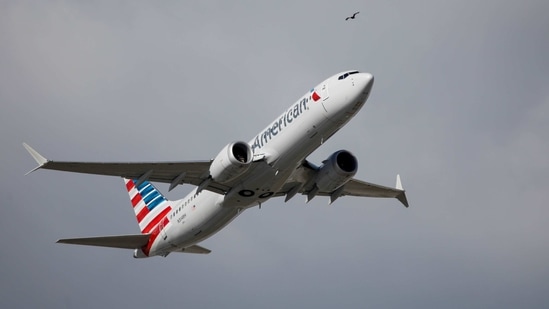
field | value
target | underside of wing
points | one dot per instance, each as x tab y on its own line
196	249
174	173
119	241
303	181
361	188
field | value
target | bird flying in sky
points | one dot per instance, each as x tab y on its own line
352	17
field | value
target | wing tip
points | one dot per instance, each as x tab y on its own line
41	160
402	196
398	183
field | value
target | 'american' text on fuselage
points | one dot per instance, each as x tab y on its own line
282	122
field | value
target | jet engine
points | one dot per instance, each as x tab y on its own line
233	160
335	171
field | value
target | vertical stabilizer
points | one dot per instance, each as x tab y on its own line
150	206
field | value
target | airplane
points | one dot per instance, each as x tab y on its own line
242	175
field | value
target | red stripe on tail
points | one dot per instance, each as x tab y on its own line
129	185
136	199
157	219
142	214
147	248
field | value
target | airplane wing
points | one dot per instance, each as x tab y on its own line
119	241
357	187
302	181
196	172
174	173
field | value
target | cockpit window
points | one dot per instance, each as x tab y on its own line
344	76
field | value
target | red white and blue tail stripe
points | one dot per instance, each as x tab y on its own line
150	206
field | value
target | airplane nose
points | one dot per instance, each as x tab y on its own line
348	94
367	80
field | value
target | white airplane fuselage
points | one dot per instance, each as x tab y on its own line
282	146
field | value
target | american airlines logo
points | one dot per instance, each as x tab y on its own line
285	120
315	95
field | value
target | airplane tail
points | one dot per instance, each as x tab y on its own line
151	211
150	206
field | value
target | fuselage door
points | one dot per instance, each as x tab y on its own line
324	92
324	95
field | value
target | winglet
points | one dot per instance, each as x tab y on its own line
399	184
37	157
402	196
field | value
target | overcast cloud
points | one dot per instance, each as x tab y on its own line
460	108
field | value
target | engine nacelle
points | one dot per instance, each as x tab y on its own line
233	160
335	171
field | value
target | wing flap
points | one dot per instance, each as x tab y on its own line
119	241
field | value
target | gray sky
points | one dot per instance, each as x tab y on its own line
460	108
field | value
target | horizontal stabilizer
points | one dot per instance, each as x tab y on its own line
119	241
